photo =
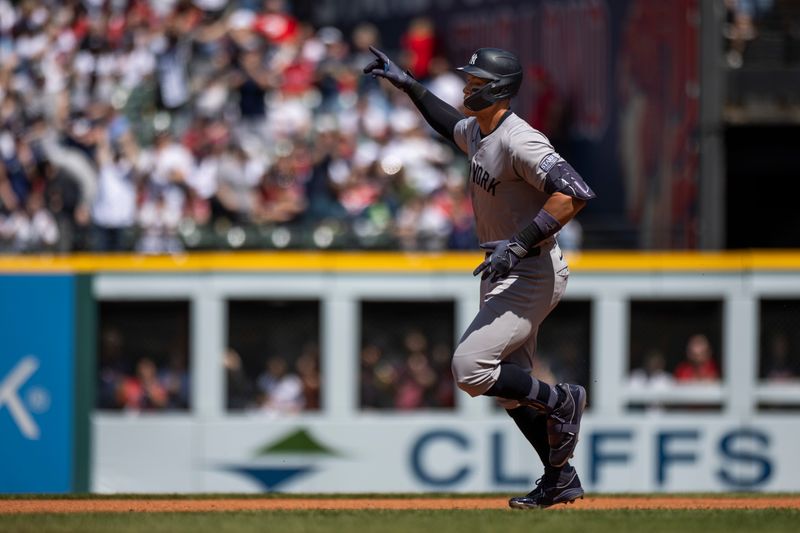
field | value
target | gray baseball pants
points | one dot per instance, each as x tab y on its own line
504	330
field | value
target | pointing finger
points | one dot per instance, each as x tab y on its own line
383	57
491	245
480	268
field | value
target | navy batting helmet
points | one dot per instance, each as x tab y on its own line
503	70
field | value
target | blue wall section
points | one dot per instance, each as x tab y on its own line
37	352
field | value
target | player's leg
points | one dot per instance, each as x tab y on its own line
494	335
531	422
557	484
533	425
511	312
563	422
477	368
564	404
499	348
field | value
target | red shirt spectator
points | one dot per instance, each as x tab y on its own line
699	364
143	391
277	27
420	42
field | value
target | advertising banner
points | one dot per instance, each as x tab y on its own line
37	345
438	454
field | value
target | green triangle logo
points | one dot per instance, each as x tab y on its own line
300	442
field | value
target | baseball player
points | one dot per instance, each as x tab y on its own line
522	193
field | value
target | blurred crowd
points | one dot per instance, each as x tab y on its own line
162	125
698	364
762	33
414	375
284	385
401	368
742	19
142	382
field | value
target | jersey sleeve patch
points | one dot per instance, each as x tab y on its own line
548	162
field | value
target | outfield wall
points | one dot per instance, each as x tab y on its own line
451	453
341	448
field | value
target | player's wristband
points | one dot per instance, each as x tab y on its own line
542	227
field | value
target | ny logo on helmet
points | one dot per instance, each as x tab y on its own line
473	58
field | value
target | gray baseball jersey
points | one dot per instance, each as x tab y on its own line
506	179
506	175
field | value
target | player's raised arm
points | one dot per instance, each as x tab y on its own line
441	116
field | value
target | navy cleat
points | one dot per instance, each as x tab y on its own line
564	423
564	489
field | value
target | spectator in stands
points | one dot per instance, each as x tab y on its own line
136	120
40	230
169	167
19	167
307	368
331	164
112	368
364	35
417	385
158	220
281	391
71	182
279	196
143	391
779	364
462	219
444	82
114	207
173	57
699	363
252	81
419	44
240	390
175	379
379	377
652	374
237	174
423	377
416	382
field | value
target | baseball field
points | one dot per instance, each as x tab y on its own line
685	513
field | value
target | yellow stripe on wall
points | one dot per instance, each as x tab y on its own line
277	261
243	261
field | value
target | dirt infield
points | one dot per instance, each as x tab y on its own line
288	504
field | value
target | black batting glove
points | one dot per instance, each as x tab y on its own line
385	68
505	256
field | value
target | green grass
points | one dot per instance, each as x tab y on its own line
445	521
